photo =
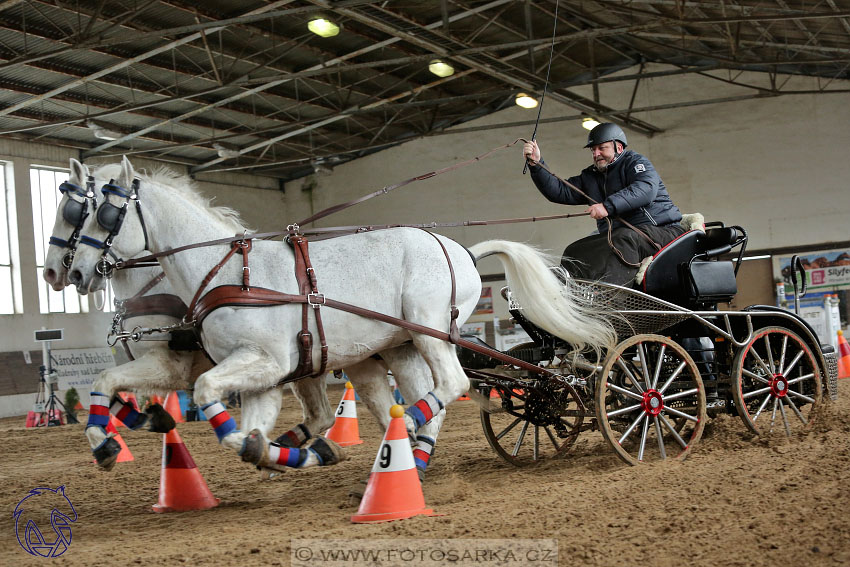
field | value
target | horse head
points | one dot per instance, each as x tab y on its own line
115	230
70	215
34	508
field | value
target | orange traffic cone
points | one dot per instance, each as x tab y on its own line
181	486
843	356
156	399
345	430
393	491
125	454
130	398
172	406
463	397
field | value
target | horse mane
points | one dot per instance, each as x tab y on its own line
181	183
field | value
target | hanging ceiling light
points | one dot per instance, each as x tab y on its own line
323	27
589	123
525	101
441	68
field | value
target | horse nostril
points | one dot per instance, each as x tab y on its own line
75	277
49	275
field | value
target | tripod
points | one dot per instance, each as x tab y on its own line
46	397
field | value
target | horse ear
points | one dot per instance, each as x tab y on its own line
127	172
78	171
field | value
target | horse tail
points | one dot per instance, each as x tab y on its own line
553	303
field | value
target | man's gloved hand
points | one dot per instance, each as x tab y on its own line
597	211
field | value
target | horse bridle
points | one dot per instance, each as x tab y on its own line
111	218
75	213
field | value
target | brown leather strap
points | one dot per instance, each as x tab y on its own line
234	295
454	332
150	285
308	285
236	245
157	304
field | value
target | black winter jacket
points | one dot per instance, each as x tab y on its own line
630	188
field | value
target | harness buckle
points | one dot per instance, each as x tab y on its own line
320	299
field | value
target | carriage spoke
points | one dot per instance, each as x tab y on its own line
793	363
621	411
749	395
758	359
674	411
761	407
536	447
631	428
518	444
769	354
681	394
673	376
625	392
754	376
796	411
784	418
644	369
773	415
625	368
806	399
658	366
673	431
660	435
801	378
782	354
551	438
643	434
508	428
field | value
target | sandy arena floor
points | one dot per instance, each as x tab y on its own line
737	500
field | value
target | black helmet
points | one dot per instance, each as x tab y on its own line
606	132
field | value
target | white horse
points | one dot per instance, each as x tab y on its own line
403	273
154	367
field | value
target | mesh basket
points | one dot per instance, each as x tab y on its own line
831	374
629	311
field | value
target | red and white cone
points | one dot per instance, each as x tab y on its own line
393	491
345	430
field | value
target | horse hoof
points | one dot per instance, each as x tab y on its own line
355	495
269	474
328	451
255	450
160	420
106	455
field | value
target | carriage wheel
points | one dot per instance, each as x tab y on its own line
777	382
527	425
650	400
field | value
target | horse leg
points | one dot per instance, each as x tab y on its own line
414	380
450	382
317	413
158	369
247	369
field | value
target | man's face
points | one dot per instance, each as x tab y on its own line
603	154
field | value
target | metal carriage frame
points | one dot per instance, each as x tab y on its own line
651	394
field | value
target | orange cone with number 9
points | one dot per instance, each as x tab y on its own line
393	491
345	430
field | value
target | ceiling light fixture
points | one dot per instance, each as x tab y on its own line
441	68
323	27
103	133
589	123
525	101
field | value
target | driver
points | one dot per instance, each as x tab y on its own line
621	185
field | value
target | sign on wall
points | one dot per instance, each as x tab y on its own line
826	271
485	302
78	367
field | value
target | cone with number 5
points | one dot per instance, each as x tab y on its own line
393	491
345	430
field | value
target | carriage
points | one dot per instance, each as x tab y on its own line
679	359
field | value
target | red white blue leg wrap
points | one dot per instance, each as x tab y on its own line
126	413
98	410
218	417
287	457
422	452
423	410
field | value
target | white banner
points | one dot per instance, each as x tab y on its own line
78	367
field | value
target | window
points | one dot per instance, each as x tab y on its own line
45	200
10	297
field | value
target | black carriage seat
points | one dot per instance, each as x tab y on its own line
686	271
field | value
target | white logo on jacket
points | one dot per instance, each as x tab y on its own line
640	167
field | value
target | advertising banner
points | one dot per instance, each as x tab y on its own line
826	271
78	367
